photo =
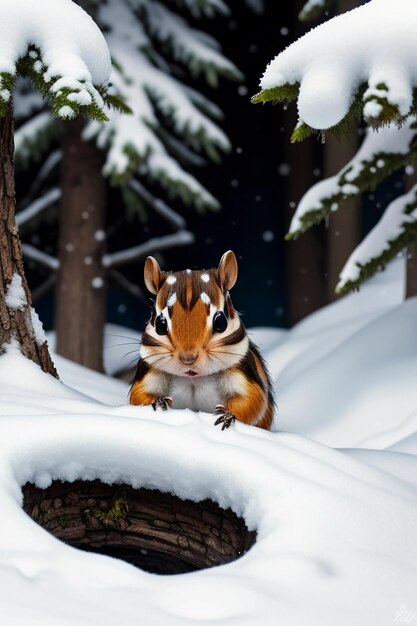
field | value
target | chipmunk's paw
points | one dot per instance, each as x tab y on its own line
223	417
162	403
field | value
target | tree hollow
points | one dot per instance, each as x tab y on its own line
156	531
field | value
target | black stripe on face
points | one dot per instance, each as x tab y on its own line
234	337
148	340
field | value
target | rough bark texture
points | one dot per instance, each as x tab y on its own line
15	323
153	530
80	292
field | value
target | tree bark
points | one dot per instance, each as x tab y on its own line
151	529
80	291
16	322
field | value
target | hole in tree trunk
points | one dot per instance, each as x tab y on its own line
155	531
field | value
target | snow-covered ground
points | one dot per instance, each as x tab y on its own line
332	493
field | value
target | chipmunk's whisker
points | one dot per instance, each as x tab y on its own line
117	345
121	336
131	352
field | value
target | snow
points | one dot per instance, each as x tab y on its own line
73	50
391	226
388	141
374	43
15	295
332	493
38	331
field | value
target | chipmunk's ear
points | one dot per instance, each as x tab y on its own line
227	270
152	274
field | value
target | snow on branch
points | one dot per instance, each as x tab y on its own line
160	104
61	49
195	49
38	205
40	258
361	62
124	257
380	154
159	206
395	231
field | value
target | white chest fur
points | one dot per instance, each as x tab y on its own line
198	394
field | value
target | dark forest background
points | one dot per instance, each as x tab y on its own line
258	185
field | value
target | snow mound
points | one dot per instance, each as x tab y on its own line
329	549
346	374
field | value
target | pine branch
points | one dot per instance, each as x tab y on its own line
372	164
37	206
159	206
313	9
43	289
48	166
40	258
396	230
128	286
131	255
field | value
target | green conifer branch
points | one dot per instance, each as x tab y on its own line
395	247
372	172
284	93
312	12
7	82
32	66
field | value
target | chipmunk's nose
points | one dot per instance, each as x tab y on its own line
188	358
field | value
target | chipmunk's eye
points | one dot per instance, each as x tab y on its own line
161	325
219	322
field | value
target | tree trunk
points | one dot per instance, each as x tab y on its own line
345	225
411	276
411	271
304	257
16	314
153	530
80	292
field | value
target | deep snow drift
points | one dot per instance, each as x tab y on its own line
336	529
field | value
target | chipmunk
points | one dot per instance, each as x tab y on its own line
195	352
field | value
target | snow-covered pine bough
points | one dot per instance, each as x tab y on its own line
195	351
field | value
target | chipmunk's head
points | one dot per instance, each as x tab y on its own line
194	329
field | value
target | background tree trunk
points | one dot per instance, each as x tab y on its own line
411	272
80	290
304	257
15	321
345	225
